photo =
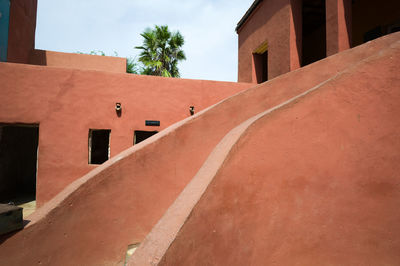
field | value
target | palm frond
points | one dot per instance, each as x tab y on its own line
161	51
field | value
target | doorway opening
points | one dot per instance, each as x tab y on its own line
18	162
260	63
99	145
314	31
261	66
140	135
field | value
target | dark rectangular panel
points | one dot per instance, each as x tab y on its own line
155	123
4	25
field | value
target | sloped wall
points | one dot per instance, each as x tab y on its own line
314	183
93	220
66	103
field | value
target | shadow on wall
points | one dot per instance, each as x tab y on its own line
4	237
298	30
38	57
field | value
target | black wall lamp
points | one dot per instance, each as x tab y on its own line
191	110
118	109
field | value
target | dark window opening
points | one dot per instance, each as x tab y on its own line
314	31
373	19
99	145
18	162
380	31
393	29
140	135
261	66
373	34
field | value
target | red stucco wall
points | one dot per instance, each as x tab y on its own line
269	22
296	31
21	35
314	183
67	103
93	221
280	24
338	26
78	61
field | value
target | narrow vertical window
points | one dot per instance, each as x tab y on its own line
99	145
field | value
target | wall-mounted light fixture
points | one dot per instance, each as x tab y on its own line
118	109
191	110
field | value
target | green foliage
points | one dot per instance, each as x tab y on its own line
132	66
161	52
96	52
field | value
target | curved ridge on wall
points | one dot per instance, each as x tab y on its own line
156	244
314	183
95	218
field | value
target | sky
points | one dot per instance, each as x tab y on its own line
208	27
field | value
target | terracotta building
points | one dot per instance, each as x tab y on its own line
302	169
278	36
64	106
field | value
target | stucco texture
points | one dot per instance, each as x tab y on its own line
66	103
93	220
313	183
269	22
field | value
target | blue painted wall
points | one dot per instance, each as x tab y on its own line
4	20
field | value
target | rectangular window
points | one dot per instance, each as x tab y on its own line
140	135
99	145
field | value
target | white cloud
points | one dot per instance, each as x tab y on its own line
86	25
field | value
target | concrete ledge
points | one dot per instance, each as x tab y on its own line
10	218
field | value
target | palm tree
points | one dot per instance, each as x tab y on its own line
131	65
161	52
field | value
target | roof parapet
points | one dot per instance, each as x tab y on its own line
247	14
